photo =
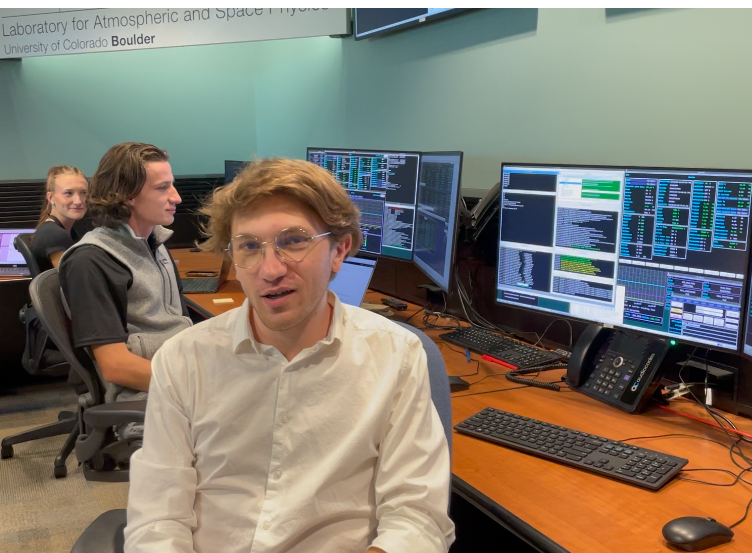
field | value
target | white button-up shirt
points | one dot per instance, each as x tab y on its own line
336	450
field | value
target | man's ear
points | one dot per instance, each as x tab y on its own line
341	249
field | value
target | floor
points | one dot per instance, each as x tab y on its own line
38	512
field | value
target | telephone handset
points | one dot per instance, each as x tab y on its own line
616	367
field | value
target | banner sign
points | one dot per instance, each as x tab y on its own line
39	32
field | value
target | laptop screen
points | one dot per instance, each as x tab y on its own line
351	283
9	256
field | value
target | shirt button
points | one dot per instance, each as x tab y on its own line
277	474
267	525
285	419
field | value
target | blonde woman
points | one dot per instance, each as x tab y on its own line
65	203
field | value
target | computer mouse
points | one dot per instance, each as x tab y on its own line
696	533
456	384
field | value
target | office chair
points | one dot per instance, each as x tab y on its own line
22	243
40	357
91	436
437	376
105	534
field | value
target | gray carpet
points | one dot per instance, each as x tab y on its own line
38	512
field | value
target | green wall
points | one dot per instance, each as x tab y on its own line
654	87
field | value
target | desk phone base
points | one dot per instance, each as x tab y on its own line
625	462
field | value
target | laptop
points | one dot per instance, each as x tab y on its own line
12	263
351	283
208	285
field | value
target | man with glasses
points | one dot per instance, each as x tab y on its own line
293	423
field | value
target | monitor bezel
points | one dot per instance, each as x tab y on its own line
405	24
458	203
377	151
637	330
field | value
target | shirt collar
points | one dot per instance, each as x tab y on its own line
160	234
244	342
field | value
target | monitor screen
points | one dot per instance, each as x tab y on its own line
232	168
351	282
9	256
374	21
662	251
437	214
383	185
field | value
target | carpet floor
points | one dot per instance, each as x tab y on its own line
38	512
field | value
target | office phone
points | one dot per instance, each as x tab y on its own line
617	367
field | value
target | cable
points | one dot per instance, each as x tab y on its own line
418	311
676	436
513	376
490	391
477	361
746	512
704	421
549	326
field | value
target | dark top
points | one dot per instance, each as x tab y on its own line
49	238
97	284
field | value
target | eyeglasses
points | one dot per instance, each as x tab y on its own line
291	244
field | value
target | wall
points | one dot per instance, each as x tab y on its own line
654	87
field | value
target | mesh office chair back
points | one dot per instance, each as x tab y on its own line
22	243
47	299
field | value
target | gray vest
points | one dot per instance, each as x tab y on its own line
154	310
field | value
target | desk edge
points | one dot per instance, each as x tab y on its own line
196	307
506	519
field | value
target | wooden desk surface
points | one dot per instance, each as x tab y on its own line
201	261
577	510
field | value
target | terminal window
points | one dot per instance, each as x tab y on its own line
558	238
384	187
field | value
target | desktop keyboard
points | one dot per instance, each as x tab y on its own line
207	285
14	271
625	462
512	352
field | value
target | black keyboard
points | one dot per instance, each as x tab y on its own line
510	351
206	285
625	462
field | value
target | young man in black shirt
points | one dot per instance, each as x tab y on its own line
119	281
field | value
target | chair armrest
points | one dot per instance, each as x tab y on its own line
115	414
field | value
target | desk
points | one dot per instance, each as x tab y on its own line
555	507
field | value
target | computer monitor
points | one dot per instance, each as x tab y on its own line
9	255
232	168
437	215
351	282
747	344
660	251
383	184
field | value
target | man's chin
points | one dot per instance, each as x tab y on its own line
280	323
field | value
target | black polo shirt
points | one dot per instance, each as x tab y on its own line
96	287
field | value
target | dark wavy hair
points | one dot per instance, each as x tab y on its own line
120	177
